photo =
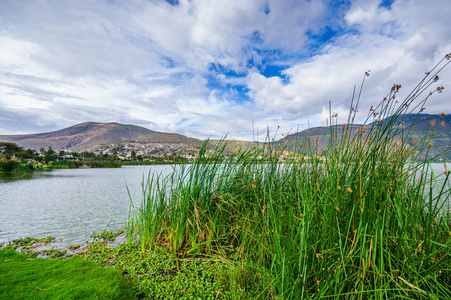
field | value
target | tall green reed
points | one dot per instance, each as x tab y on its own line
15	169
357	218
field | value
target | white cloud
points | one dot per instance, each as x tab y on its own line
326	77
400	56
16	53
369	15
289	21
202	32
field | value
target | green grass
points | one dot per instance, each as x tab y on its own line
23	276
366	220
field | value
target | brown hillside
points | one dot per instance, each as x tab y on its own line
80	136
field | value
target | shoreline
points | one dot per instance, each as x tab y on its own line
51	247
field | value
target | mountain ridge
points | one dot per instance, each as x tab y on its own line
422	124
86	135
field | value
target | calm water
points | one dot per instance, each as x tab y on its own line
70	204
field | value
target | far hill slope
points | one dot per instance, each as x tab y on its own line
422	124
164	137
86	135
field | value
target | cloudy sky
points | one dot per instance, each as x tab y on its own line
211	67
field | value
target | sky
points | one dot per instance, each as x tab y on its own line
212	68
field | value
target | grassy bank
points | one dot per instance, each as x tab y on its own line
156	274
27	277
68	164
364	220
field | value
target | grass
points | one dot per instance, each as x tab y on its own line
23	276
364	220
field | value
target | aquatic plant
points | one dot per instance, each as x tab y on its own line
361	217
106	235
14	168
161	275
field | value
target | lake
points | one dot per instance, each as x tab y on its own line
71	204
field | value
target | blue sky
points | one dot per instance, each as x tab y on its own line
211	68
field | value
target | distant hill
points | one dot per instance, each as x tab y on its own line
164	137
89	134
421	122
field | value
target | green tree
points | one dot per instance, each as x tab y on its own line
10	149
133	154
50	151
27	154
49	155
31	152
87	154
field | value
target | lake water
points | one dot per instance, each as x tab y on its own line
71	204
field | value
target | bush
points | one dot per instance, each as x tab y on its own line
15	167
104	164
9	165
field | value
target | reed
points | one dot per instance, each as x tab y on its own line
362	217
15	169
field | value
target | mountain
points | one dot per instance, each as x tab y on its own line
88	135
164	137
421	123
93	136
